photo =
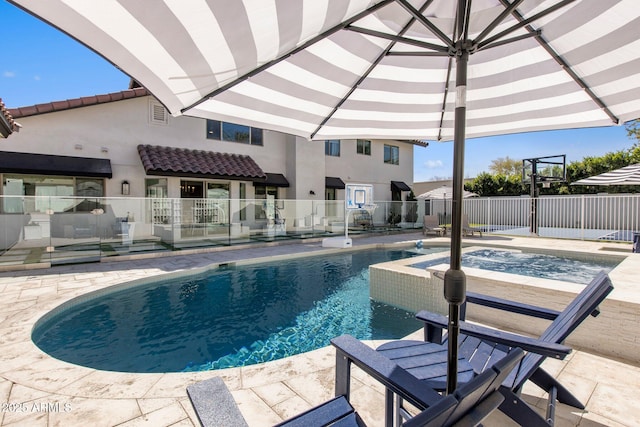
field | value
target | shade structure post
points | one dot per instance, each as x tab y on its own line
455	280
534	192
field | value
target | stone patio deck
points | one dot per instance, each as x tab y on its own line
38	390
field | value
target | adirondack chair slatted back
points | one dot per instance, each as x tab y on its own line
469	397
471	393
435	415
567	321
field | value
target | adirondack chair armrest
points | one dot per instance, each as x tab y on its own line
511	306
544	348
350	350
436	323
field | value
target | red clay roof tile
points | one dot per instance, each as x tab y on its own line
7	124
84	101
173	161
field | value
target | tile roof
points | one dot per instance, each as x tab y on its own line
7	124
84	101
171	161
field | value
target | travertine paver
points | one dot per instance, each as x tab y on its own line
37	390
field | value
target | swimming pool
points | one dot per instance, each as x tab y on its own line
227	317
565	268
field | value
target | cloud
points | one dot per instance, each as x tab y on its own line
433	164
36	78
8	74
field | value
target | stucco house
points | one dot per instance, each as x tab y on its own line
108	130
124	147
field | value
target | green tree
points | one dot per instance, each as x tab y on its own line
487	185
506	177
590	166
506	166
633	129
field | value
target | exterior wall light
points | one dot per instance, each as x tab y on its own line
125	188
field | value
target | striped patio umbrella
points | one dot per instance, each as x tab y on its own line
399	69
628	175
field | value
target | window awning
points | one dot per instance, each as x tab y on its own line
272	180
399	186
334	182
171	161
46	164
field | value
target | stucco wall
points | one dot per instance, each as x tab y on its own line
114	130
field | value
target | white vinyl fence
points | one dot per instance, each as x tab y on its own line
607	217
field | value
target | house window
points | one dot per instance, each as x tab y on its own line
89	187
191	189
364	147
156	188
243	202
217	190
214	129
261	193
332	147
231	132
46	192
391	154
158	115
236	133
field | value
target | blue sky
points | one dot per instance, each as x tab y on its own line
41	64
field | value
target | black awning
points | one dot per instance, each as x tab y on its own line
45	164
399	186
333	182
272	180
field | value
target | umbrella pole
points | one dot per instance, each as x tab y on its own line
454	279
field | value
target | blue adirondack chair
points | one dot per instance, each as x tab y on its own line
468	406
481	347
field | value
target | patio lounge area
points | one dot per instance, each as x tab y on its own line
38	390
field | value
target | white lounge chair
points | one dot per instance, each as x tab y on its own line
431	225
467	229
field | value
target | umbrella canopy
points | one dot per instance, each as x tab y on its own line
401	69
444	193
628	175
326	69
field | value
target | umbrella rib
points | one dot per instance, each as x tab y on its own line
533	34
465	24
368	71
444	99
506	12
398	39
418	15
566	67
303	46
522	22
422	53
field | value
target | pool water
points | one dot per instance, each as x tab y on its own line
531	264
227	317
